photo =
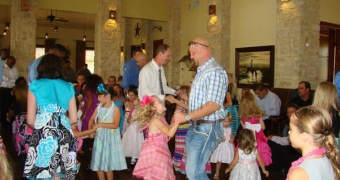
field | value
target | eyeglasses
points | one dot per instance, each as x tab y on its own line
190	82
193	43
101	89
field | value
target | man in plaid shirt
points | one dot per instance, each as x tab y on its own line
206	111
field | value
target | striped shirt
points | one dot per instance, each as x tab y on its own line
210	84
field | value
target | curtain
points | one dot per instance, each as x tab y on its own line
80	54
48	44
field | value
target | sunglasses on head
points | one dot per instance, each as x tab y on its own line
193	43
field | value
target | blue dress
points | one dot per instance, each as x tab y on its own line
52	150
107	153
120	104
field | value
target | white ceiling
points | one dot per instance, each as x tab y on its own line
75	19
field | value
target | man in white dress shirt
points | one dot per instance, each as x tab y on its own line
152	80
9	75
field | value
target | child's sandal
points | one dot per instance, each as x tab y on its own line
216	176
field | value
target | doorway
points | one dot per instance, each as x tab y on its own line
329	43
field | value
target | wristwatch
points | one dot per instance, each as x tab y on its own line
187	117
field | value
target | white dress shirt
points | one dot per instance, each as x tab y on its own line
9	75
149	81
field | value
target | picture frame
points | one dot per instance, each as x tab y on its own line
254	65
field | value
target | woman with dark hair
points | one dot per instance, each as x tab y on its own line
52	149
90	104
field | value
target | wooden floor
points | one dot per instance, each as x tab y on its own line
118	175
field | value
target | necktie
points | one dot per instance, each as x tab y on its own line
160	81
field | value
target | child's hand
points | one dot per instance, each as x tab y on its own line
269	137
227	170
96	126
92	135
266	173
231	140
223	139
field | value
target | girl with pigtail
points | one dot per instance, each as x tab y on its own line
311	131
155	159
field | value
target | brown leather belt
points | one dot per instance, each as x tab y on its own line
202	121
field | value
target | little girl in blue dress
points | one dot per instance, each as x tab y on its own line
107	153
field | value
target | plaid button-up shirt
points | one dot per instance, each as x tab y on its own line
210	84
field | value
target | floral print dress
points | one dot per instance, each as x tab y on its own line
52	150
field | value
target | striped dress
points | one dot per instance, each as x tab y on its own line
180	142
107	153
154	161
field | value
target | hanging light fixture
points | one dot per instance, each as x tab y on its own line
6	15
46	34
5	32
56	23
84	37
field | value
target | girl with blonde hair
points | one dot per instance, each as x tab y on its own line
251	118
326	97
311	132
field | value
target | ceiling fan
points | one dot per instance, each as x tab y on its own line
52	18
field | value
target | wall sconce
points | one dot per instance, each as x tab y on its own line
143	45
121	49
56	29
112	15
212	9
5	32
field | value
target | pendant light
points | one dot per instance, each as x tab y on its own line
56	23
7	22
46	34
84	37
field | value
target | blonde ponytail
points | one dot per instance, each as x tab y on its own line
332	154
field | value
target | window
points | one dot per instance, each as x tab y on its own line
89	59
39	51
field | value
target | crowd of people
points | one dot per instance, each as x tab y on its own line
53	120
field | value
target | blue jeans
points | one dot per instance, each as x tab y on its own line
200	142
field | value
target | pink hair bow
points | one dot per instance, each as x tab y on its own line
146	99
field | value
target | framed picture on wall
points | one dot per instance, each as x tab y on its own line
254	65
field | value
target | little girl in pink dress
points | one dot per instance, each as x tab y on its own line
251	118
155	159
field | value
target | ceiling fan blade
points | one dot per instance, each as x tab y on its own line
62	20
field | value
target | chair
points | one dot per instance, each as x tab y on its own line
285	96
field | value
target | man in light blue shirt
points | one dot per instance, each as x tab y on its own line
57	49
269	102
131	71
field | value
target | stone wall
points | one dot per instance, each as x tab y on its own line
297	46
23	35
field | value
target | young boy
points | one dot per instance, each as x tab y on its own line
283	154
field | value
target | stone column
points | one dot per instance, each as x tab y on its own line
297	43
173	39
108	37
23	35
218	28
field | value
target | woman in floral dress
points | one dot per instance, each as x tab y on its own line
52	150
